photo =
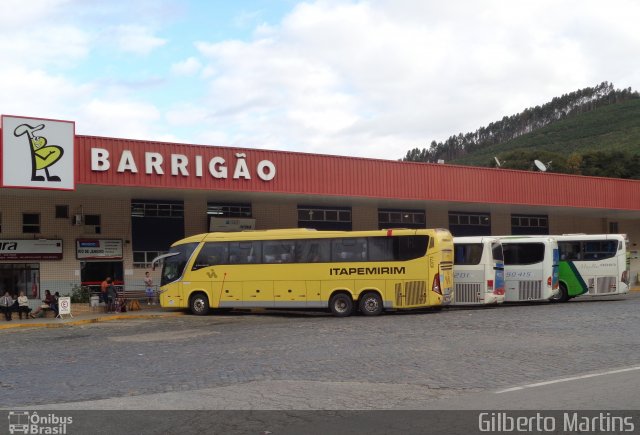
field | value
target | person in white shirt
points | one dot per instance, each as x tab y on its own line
23	306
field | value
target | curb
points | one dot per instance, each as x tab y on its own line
88	321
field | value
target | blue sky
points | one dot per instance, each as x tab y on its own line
360	78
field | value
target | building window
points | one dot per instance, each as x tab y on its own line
469	224
391	218
324	218
229	210
92	224
21	277
62	211
155	224
522	225
143	259
30	223
310	214
613	228
157	209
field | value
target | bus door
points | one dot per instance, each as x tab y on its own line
498	268
556	270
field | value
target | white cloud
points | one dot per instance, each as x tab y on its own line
136	39
187	67
120	118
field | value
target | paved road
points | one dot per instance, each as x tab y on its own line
304	361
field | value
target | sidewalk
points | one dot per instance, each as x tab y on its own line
84	318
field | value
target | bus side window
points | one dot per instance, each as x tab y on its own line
212	254
312	251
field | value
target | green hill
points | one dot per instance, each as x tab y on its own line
612	128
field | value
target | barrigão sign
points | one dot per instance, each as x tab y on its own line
181	165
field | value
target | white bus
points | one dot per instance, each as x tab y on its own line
593	265
478	271
530	268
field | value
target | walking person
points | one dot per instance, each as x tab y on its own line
148	283
6	305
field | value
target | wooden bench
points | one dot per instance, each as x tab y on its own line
46	312
132	298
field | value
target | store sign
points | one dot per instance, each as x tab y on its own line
38	153
229	224
99	249
30	249
179	165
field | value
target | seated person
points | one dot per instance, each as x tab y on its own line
23	306
6	305
54	303
46	304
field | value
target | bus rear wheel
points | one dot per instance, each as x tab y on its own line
199	304
371	304
341	305
563	294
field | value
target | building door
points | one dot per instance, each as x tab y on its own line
92	273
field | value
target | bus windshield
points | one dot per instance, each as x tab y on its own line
173	265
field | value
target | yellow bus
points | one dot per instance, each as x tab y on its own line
342	271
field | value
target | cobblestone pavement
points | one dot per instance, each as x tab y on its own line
312	360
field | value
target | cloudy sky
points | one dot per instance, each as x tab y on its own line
358	78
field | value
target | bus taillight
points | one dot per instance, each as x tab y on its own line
436	284
549	281
490	285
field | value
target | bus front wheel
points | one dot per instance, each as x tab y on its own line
199	304
371	304
341	305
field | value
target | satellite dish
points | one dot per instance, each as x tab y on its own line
497	162
540	165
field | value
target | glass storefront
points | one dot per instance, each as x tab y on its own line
18	277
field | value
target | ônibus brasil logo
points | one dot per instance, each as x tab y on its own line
27	422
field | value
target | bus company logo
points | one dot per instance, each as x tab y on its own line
25	422
37	153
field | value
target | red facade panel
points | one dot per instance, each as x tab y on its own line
346	176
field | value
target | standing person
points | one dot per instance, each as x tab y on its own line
111	296
148	282
104	290
23	306
6	305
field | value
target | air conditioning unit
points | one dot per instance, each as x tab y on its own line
77	219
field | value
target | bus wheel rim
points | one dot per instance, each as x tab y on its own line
198	304
341	306
371	304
